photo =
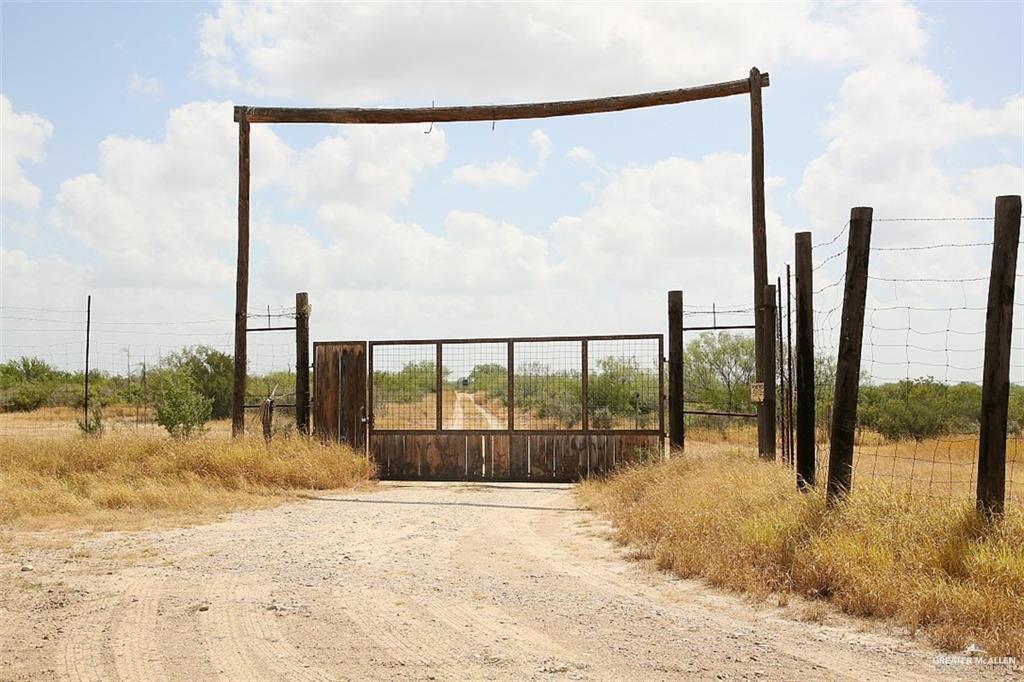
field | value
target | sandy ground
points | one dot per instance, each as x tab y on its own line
406	581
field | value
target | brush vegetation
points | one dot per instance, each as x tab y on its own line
926	563
114	479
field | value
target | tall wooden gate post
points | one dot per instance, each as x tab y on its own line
241	281
766	436
851	333
676	422
764	416
805	462
995	387
302	362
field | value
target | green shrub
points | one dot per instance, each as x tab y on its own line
180	408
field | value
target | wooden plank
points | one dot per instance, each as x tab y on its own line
476	449
575	462
760	251
995	386
500	457
542	457
598	447
499	112
325	391
518	467
851	332
805	418
241	282
676	428
351	359
405	462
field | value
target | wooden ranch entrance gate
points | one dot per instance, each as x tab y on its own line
556	408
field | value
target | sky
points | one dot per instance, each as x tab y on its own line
119	170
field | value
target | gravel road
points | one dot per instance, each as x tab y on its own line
407	581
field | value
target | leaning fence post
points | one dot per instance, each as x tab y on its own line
851	333
995	386
804	363
302	362
676	424
766	446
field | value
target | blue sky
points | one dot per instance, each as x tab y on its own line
655	202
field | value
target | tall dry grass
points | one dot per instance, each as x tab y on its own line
926	563
132	478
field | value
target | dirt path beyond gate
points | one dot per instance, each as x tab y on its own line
405	581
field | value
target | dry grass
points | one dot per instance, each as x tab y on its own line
926	563
126	479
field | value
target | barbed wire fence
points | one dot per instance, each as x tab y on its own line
43	361
922	357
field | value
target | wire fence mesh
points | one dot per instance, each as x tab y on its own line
922	357
43	360
618	379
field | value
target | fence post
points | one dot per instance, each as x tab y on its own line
676	422
760	249
804	363
851	333
995	386
88	327
780	374
766	441
241	284
302	362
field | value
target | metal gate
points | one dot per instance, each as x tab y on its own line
555	408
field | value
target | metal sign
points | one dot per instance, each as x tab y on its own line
757	393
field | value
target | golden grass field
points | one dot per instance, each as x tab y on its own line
133	479
928	563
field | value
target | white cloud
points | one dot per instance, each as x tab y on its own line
507	173
581	155
885	138
541	145
141	85
23	137
369	165
163	212
420	52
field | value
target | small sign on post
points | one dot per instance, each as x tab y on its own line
757	393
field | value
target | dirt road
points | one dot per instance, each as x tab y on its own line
405	581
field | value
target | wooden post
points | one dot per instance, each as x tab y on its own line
995	385
766	438
805	462
789	365
302	362
267	418
760	241
676	422
780	373
851	333
241	281
88	327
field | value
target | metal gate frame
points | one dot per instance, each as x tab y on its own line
511	428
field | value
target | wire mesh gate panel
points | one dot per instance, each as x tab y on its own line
514	409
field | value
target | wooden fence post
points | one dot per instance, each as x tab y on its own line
676	422
241	283
757	205
302	362
766	440
995	386
804	362
851	333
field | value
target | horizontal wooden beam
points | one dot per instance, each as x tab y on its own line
495	112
